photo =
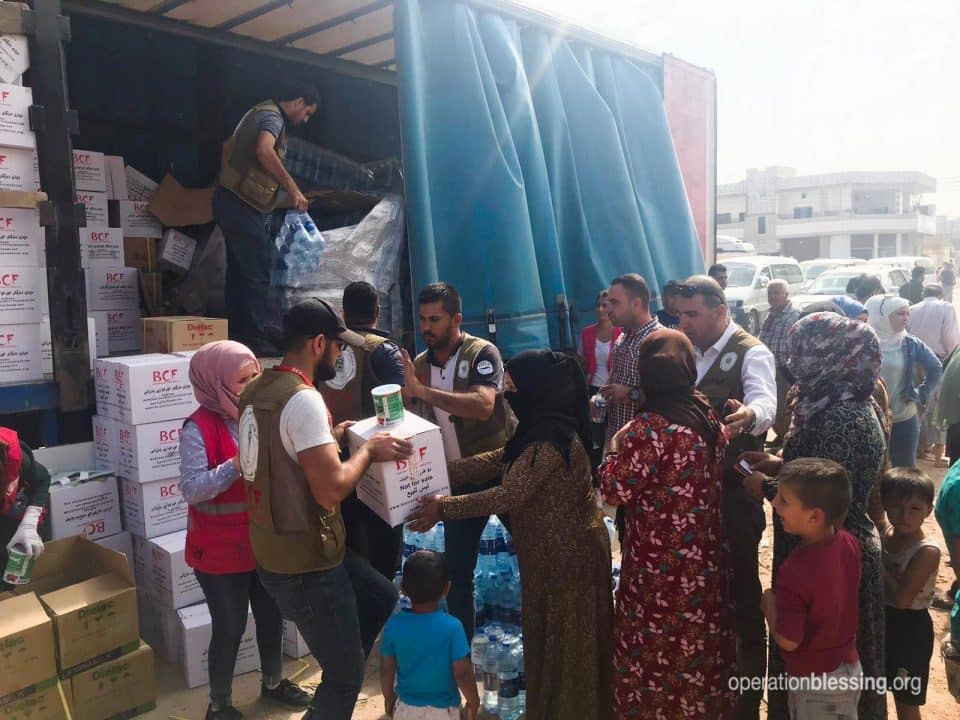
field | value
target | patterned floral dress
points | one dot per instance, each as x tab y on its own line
674	646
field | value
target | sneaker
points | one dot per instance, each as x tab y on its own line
227	713
287	693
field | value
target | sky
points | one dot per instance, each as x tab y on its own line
818	85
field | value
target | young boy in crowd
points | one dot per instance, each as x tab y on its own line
910	560
813	611
429	649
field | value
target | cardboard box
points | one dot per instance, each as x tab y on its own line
20	293
293	643
141	389
62	458
44	702
89	593
147	452
391	489
104	442
140	253
46	344
159	625
117	331
116	178
180	333
153	509
84	503
112	288
102	246
96	203
22	240
119	688
173	582
139	186
195	623
21	353
90	172
14	58
134	218
177	206
15	131
26	636
149	621
122	542
176	251
19	169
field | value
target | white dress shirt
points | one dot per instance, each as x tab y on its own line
759	377
935	322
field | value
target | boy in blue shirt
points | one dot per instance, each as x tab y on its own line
428	648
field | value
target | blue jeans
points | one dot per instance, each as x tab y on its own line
339	612
903	443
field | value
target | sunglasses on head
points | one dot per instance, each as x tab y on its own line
686	290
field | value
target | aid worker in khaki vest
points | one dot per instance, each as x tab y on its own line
738	375
359	370
290	457
248	187
458	384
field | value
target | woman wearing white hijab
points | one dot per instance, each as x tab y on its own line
901	352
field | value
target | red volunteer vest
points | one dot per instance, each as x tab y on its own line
218	539
11	476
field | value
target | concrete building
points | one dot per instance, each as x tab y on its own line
841	215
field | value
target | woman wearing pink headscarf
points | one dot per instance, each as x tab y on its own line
218	543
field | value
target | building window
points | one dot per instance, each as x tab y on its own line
762	225
723	219
803	212
803	196
861	246
743	216
887	245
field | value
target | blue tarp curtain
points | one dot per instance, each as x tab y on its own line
535	168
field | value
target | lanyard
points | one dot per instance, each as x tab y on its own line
295	371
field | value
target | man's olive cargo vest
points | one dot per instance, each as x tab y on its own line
724	381
473	436
240	171
289	532
348	395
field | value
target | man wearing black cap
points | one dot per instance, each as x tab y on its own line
289	454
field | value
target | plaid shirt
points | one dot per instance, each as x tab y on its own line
774	332
624	372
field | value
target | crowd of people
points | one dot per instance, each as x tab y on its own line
664	416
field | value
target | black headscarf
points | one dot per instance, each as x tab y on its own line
550	403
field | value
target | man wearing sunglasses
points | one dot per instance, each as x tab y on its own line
738	375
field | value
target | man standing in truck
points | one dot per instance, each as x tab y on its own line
251	177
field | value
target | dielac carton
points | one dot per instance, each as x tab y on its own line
180	333
45	702
140	253
119	688
90	594
27	656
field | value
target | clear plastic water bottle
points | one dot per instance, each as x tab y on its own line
491	677
615	574
503	555
409	542
509	700
487	559
598	408
403	602
478	651
441	541
518	653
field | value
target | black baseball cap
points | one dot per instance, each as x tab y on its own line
313	317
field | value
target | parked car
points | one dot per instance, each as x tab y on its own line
908	262
729	244
747	280
812	269
834	282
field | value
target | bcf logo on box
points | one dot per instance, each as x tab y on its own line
420	455
165	376
10	279
94	529
171	490
8	340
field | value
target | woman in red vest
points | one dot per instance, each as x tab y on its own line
596	345
26	490
218	544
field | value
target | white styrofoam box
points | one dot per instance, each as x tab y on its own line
146	388
101	246
121	329
293	643
89	172
22	240
112	288
391	489
195	623
14	58
46	344
137	221
116	178
148	452
153	509
96	202
104	442
122	542
177	250
84	503
19	169
139	186
21	353
20	293
173	583
15	131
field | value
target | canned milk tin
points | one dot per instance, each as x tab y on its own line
19	566
388	403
